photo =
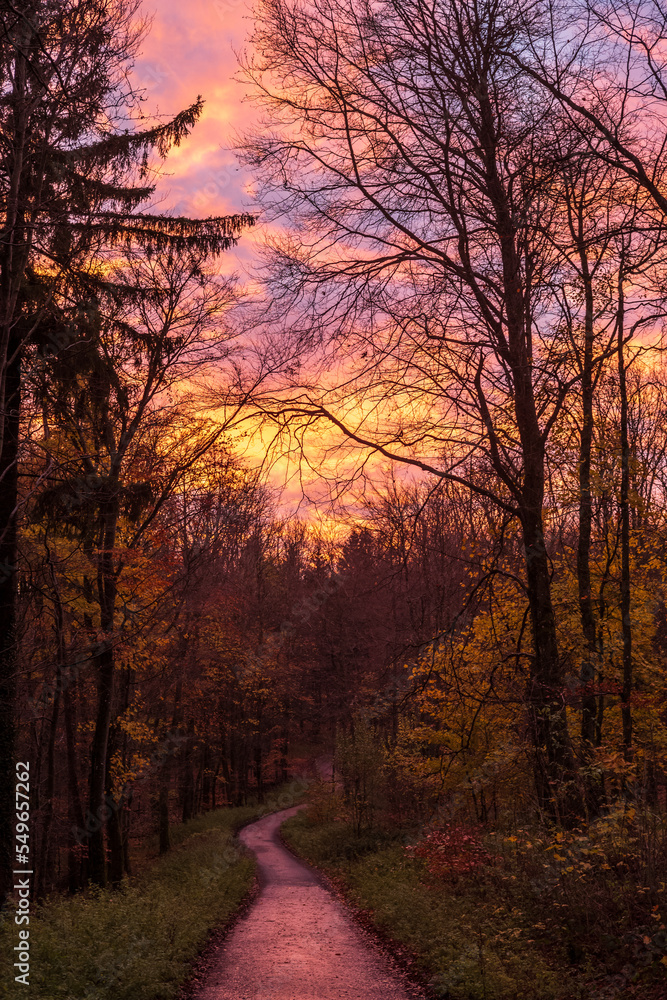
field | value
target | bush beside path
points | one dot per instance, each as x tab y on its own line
486	933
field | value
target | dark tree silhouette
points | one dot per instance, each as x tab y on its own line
74	175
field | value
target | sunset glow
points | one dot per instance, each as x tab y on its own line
333	499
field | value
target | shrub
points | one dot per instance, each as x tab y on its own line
452	852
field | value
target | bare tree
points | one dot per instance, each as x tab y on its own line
416	165
604	62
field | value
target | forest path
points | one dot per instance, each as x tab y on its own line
296	942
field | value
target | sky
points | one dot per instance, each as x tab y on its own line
190	50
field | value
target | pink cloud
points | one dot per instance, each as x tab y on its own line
190	50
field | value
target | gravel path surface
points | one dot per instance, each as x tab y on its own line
297	942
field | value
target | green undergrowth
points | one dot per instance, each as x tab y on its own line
138	942
450	935
492	936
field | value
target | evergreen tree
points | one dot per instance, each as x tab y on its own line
76	180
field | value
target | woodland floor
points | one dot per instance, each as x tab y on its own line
297	942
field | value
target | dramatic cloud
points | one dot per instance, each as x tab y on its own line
190	50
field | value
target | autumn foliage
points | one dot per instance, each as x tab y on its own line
457	348
452	852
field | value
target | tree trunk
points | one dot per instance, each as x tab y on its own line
115	837
105	664
163	817
284	748
76	876
117	803
187	782
554	760
591	663
626	689
47	821
554	763
8	622
60	682
98	809
14	249
125	817
166	769
588	623
258	763
214	784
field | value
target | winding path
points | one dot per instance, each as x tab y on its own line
296	942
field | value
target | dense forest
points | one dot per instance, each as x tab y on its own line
454	339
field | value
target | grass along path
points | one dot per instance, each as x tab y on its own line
449	935
499	938
139	942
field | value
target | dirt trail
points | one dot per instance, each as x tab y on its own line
297	942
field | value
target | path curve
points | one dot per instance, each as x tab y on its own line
296	942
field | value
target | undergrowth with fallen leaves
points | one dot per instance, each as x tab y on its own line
537	913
